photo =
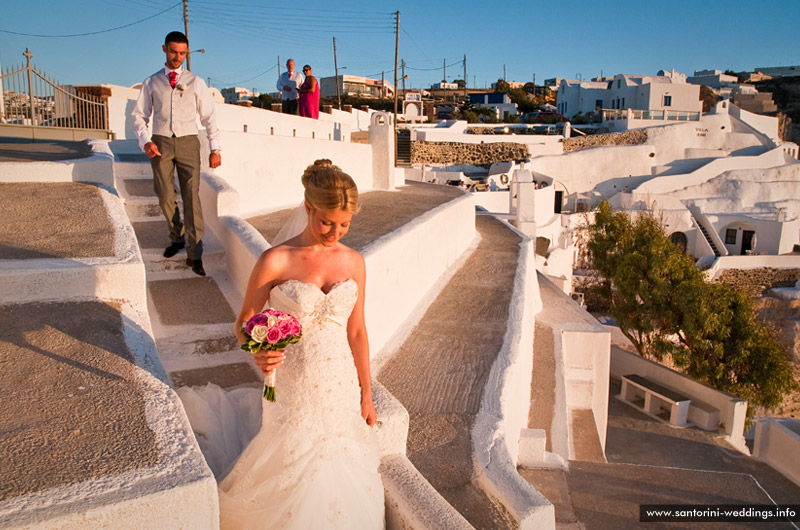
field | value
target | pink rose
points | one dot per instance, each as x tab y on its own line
273	335
285	327
296	327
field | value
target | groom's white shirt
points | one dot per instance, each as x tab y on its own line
201	105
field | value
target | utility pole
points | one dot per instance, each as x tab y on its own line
186	31
465	78
504	72
396	54
336	69
444	79
403	63
383	95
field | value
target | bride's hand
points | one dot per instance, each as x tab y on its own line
368	411
267	361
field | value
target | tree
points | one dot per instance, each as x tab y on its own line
666	307
708	97
263	101
641	270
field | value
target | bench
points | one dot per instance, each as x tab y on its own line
657	401
704	415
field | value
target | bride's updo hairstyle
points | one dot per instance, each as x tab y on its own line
329	188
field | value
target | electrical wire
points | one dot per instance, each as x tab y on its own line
246	80
92	32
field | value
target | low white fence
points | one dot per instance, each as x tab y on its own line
724	263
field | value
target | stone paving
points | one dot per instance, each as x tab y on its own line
439	373
24	150
54	220
73	409
381	212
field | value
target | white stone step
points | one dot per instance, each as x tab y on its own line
127	170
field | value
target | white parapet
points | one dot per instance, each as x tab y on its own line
777	442
504	408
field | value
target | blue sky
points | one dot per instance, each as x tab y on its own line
244	38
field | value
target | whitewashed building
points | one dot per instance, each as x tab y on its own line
664	93
353	85
236	95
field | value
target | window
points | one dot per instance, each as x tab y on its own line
730	236
667	101
623	103
598	104
619	83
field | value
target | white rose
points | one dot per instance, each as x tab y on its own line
259	333
272	321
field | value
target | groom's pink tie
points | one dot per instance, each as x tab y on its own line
173	79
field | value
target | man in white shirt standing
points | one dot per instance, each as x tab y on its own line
175	98
288	83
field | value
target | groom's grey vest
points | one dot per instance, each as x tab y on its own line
174	110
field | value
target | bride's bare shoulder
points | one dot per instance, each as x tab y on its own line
274	258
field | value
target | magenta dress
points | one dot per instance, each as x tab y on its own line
309	101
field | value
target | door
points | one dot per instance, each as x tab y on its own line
748	242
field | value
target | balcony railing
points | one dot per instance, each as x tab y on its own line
636	114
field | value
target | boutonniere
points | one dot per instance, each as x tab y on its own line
180	88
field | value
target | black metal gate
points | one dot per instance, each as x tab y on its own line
403	148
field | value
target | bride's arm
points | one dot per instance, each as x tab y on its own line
264	274
359	343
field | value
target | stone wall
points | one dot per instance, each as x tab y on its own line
632	137
462	153
756	281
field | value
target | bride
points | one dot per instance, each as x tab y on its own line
314	461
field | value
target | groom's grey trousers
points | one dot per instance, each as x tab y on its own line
181	153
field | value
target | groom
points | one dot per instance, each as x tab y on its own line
175	98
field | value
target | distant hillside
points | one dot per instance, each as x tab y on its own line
786	94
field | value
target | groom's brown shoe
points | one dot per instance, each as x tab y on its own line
173	248
197	266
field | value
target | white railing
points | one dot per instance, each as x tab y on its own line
30	98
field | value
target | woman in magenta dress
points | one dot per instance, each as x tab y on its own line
309	95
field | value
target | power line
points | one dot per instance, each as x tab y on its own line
304	12
433	69
93	32
247	80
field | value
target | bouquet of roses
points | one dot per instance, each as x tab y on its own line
270	330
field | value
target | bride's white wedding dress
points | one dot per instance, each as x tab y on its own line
314	461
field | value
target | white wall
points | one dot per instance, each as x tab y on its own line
752	262
596	167
777	442
335	126
266	170
665	184
767	125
